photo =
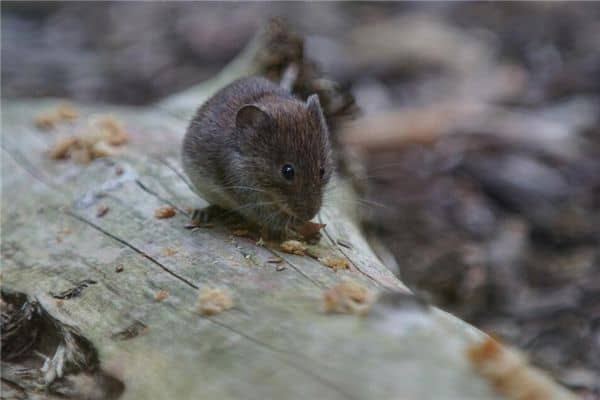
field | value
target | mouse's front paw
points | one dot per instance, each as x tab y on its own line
202	216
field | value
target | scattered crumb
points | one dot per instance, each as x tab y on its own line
169	251
101	149
308	230
49	119
348	297
101	211
260	242
161	295
315	252
63	147
293	247
119	171
344	243
62	233
240	232
212	301
66	112
510	374
164	212
46	121
111	129
100	139
335	263
119	268
279	268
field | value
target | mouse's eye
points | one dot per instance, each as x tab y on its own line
322	172
288	172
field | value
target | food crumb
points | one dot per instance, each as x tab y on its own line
101	211
293	247
66	112
161	295
62	233
119	171
62	148
309	230
47	120
279	268
510	374
275	260
335	263
169	251
119	268
111	130
164	212
348	297
100	139
240	232
212	301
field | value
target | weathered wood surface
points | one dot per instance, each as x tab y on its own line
276	343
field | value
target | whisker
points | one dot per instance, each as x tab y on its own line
252	205
244	188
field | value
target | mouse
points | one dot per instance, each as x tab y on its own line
256	150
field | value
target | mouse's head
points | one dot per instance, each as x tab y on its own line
285	144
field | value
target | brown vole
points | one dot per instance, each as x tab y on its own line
255	149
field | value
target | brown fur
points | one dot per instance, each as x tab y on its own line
241	153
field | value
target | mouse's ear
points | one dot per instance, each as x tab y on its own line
314	107
251	116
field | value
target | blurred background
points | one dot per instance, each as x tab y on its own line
483	155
